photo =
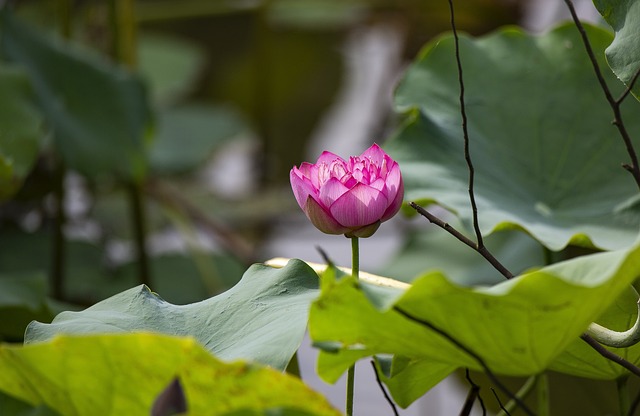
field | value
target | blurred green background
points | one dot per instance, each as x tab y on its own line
150	141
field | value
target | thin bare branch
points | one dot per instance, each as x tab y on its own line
465	130
500	402
484	252
633	167
472	396
384	392
600	349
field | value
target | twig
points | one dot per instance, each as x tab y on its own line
468	377
499	402
470	352
384	392
469	401
472	396
484	252
633	168
610	355
465	131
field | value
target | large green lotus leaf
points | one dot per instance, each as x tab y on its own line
99	112
20	129
546	156
262	318
518	327
123	374
435	249
623	55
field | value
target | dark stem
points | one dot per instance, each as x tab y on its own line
470	352
64	8
139	232
500	403
633	168
58	251
262	92
465	131
610	355
123	27
469	401
384	392
484	252
59	245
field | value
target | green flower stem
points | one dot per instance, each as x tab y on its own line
543	395
522	394
351	374
355	257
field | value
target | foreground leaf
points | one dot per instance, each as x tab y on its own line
543	164
123	374
518	327
262	318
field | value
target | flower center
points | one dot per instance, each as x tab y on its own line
356	170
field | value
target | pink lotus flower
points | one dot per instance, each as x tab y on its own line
349	197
